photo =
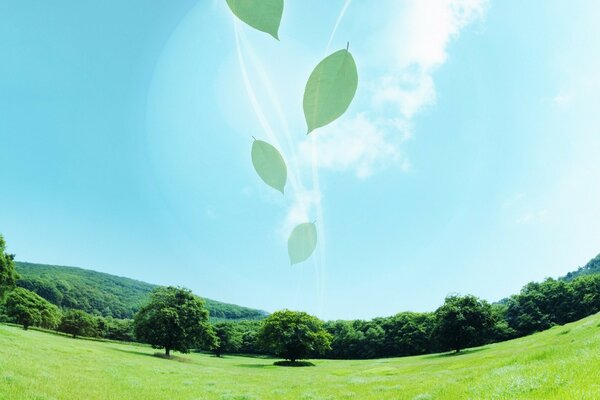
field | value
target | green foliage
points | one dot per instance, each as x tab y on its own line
77	323
248	331
269	164
407	333
174	319
28	309
541	305
462	321
294	335
119	329
501	330
591	268
330	89
8	275
263	15
229	338
302	242
107	295
403	334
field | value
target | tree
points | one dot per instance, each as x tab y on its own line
462	321
174	319
8	275
229	339
28	309
294	335
407	333
77	323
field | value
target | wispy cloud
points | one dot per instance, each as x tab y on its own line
513	200
531	217
356	143
411	43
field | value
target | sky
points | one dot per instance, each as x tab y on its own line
466	163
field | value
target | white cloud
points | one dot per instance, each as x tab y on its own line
561	99
354	143
531	217
410	45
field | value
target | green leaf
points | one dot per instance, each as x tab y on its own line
302	242
269	164
264	15
330	89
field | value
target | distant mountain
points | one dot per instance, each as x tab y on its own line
592	267
104	294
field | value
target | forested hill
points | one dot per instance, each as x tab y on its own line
104	294
592	267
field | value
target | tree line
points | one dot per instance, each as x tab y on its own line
176	319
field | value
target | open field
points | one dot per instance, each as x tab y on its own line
561	363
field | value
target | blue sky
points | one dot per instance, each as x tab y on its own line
468	161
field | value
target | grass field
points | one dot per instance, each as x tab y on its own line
561	363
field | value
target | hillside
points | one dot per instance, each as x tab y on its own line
105	294
560	363
592	267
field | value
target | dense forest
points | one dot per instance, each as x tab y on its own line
105	295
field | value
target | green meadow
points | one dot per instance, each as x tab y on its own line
560	363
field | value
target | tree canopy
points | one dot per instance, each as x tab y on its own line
8	275
28	309
462	321
229	339
294	335
174	319
77	323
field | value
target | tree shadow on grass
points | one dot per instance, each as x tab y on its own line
293	364
279	364
254	365
156	355
136	352
455	354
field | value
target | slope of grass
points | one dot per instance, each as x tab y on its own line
561	363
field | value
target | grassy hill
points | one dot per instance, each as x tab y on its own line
105	294
561	363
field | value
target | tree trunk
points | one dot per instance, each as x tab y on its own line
25	327
167	351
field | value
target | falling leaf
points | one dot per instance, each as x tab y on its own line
264	15
269	164
330	89
302	242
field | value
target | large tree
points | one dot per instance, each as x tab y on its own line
174	319
294	335
8	275
28	309
462	321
